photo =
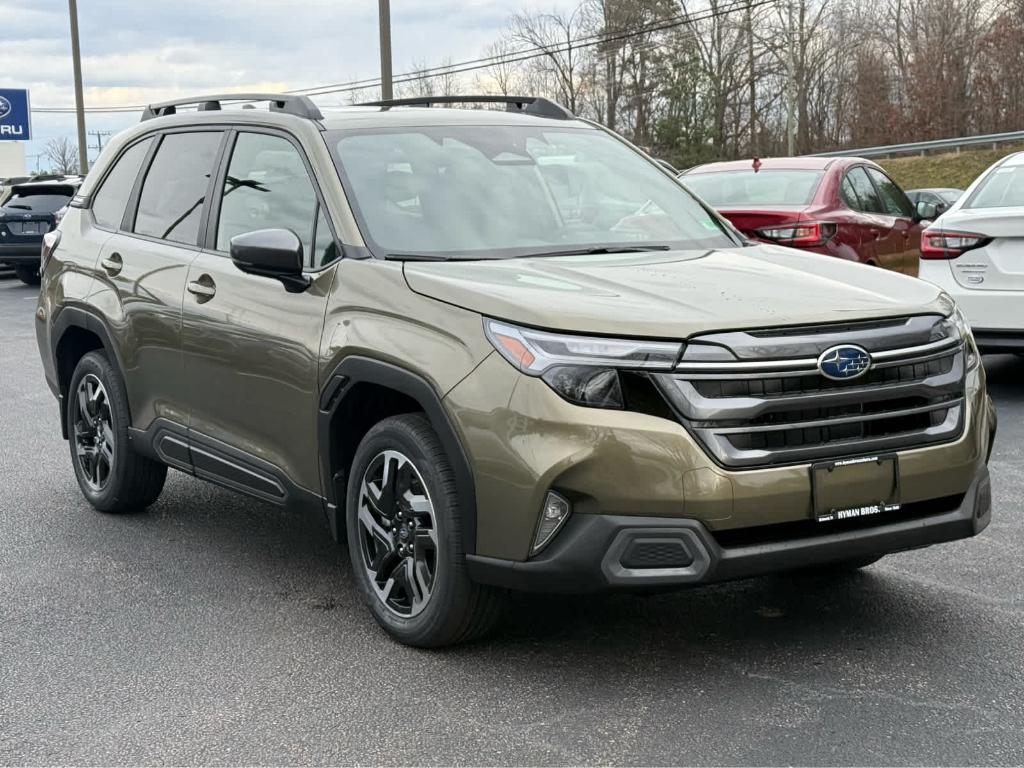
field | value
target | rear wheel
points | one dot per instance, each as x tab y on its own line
405	541
29	275
113	478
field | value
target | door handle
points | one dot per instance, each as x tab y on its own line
203	288
113	264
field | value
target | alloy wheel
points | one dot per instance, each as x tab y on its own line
95	445
397	533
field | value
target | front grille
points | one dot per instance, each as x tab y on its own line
757	399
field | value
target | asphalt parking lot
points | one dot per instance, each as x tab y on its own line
214	629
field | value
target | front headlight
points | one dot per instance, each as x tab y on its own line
961	327
582	369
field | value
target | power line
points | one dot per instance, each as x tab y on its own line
471	65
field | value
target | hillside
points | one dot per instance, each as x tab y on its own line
949	170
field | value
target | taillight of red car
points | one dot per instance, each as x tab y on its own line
942	244
800	235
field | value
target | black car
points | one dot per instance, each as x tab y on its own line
940	198
33	209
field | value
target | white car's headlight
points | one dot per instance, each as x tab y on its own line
582	369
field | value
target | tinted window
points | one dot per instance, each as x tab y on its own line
267	187
894	202
41	201
849	194
865	190
501	191
109	202
173	193
781	187
1004	188
324	248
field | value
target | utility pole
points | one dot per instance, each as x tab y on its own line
76	61
99	136
752	75
384	6
791	89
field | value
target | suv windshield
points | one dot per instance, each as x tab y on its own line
504	191
767	187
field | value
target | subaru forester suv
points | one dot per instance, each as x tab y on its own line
498	349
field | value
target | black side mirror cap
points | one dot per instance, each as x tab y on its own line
275	253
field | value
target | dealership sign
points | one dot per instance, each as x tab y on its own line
15	115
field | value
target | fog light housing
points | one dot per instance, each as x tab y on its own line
553	515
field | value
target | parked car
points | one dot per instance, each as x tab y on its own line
844	207
496	350
33	209
975	252
941	198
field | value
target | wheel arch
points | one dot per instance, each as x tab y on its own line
360	392
75	333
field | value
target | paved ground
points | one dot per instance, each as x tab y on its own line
213	629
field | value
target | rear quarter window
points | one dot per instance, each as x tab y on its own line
109	202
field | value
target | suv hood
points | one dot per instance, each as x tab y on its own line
675	294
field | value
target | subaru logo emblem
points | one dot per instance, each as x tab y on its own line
847	361
5	107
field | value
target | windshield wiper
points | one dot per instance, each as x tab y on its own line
598	250
416	257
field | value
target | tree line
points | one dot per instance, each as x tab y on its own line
722	79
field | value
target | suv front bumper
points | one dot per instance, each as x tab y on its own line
595	553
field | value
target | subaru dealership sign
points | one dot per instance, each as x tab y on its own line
15	116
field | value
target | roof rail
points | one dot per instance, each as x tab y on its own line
529	105
292	104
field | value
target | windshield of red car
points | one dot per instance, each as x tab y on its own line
724	189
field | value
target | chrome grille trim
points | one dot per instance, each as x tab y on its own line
755	413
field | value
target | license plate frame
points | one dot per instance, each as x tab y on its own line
30	228
848	488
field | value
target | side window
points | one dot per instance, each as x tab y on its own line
173	193
894	202
267	187
869	202
849	194
109	202
325	250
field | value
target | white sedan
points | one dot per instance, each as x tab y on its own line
975	251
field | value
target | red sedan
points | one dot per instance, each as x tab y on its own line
837	206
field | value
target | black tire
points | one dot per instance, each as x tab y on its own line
456	610
27	275
132	482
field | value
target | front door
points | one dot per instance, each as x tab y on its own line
251	349
901	248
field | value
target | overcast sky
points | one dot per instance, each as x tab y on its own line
137	51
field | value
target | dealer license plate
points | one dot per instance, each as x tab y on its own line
850	488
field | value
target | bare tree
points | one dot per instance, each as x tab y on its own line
556	36
62	154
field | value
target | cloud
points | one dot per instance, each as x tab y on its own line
138	51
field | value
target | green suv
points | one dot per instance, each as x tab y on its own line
498	349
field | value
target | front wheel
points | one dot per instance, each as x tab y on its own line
27	275
405	541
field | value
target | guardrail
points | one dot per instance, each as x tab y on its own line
923	147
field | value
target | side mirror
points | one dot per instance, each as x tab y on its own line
926	210
273	253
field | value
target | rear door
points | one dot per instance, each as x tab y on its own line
251	348
864	228
142	268
900	246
